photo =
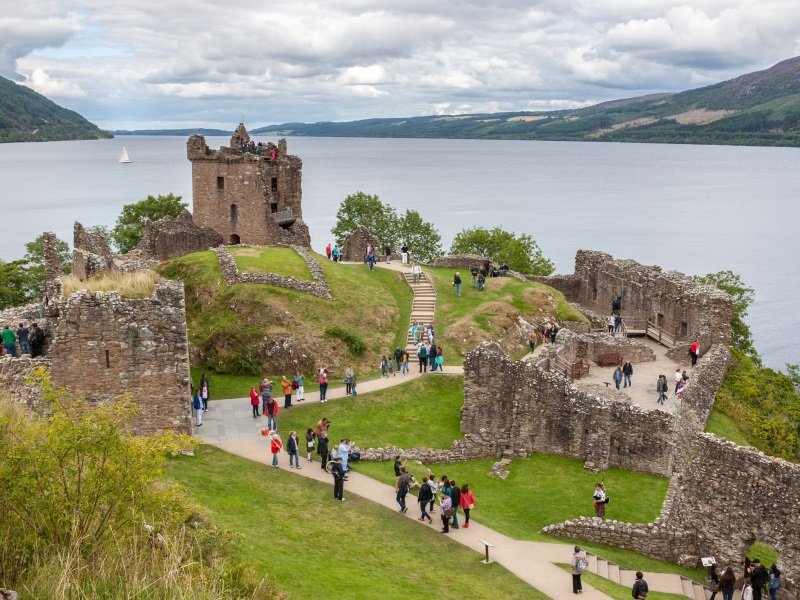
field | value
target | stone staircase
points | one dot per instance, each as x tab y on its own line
422	308
661	582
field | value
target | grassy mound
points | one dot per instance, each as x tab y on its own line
293	531
252	329
281	261
461	323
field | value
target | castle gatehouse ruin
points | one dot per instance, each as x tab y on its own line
249	193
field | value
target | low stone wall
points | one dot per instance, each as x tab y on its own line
589	346
470	448
463	261
317	287
168	237
13	375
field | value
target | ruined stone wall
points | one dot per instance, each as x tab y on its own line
673	301
473	446
168	237
589	346
90	255
725	498
522	407
14	373
52	264
236	193
354	248
232	276
105	345
463	261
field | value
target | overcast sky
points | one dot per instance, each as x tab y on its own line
176	63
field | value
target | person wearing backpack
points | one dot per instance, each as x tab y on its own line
759	578
579	564
774	581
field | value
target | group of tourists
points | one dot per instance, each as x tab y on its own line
259	149
428	354
398	365
30	341
451	496
333	253
419	332
622	375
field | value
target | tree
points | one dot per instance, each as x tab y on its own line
128	230
366	210
421	236
520	252
742	297
34	254
19	284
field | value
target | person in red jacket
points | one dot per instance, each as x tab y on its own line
467	502
275	447
694	350
254	401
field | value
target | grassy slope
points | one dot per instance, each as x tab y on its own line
282	261
724	426
618	591
228	324
461	323
293	531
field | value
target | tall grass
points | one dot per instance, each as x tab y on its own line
136	284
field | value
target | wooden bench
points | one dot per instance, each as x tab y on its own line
580	369
609	359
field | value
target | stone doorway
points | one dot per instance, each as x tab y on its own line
235	240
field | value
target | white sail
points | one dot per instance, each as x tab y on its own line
124	158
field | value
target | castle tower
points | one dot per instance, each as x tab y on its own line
251	193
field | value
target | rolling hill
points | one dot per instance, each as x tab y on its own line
26	116
759	109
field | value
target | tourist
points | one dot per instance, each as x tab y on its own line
322	378
384	366
423	498
747	590
297	384
532	341
9	341
266	393
328	251
388	251
309	444
422	355
467	503
487	265
616	305
36	340
617	377
338	479
416	271
617	323
758	578
275	446
270	411
402	488
578	564
399	465
204	391
22	337
481	281
694	350
353	391
678	378
293	448
681	389
404	253
44	304
398	357
336	252
434	490
457	283
439	360
610	323
447	512
713	581
322	449
640	590
774	581
254	401
286	385
444	487
474	272
371	262
432	350
322	426
404	359
661	387
727	583
627	372
431	334
344	452
455	496
197	405
599	500
348	380
553	333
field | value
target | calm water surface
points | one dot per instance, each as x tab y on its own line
696	209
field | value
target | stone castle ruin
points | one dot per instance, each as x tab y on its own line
248	193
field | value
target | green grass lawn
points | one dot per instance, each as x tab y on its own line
423	412
293	531
281	261
724	426
490	310
618	591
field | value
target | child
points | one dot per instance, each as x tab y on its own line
254	401
309	442
275	447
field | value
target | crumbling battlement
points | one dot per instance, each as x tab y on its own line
168	237
671	300
248	198
91	254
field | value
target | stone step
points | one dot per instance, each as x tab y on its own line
700	592
613	572
687	587
592	560
627	578
602	567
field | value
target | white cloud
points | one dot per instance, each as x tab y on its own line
52	87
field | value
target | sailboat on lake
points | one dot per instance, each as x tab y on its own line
124	158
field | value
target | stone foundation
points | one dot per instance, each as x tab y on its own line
168	237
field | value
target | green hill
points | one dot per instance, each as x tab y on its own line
26	116
759	109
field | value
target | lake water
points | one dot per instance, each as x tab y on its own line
696	209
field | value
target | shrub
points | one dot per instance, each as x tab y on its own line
354	343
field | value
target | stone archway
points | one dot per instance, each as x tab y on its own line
235	240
